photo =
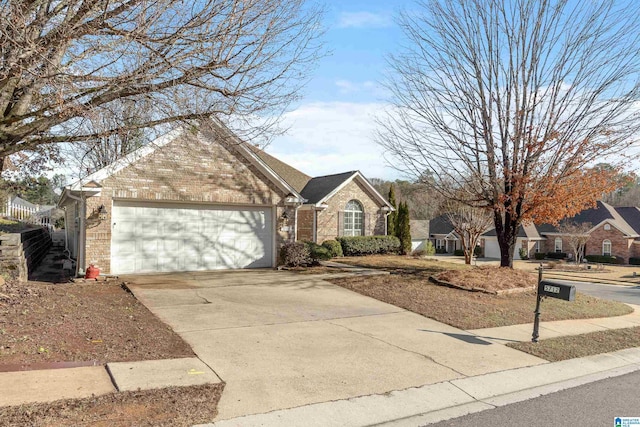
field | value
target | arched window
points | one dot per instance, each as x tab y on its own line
606	247
558	248
353	219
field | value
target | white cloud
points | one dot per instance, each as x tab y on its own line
348	87
332	137
364	20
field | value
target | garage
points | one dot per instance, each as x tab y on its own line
157	237
491	248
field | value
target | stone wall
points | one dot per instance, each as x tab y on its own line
22	252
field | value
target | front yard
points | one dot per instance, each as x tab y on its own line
408	287
45	326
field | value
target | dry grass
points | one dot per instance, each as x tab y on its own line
392	262
489	278
173	406
570	347
473	310
614	274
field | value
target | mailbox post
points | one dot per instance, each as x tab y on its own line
548	288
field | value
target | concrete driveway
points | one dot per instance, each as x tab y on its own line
282	340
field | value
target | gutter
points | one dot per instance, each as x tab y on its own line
81	230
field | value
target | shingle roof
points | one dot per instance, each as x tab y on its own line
440	225
319	187
631	215
622	218
419	229
291	175
528	231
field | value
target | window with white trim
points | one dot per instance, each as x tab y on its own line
353	219
606	247
558	248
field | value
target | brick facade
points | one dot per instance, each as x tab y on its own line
305	225
328	219
621	246
187	169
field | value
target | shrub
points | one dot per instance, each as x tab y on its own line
429	249
318	252
634	261
295	254
441	251
524	253
604	259
418	253
556	255
539	255
458	252
334	248
477	251
368	245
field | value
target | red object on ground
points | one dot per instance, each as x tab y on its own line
92	272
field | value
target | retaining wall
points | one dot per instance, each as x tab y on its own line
22	252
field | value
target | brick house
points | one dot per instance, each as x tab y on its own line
614	231
198	198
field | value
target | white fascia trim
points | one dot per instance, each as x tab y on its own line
366	183
127	160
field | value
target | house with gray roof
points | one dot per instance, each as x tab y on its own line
614	231
199	198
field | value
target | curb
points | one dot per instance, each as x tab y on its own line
437	402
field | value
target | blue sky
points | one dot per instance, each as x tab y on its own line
331	128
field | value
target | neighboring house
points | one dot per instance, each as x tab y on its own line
201	199
443	236
528	238
614	231
419	233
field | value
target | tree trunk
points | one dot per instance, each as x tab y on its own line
507	234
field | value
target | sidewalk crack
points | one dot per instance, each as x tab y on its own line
429	358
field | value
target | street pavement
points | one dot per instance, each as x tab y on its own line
621	293
594	404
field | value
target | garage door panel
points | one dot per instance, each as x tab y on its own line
171	237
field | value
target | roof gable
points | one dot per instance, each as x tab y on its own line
211	130
319	188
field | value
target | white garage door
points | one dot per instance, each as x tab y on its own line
491	248
154	237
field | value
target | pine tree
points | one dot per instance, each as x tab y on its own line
403	229
392	217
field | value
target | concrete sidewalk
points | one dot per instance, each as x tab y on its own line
48	385
558	328
450	399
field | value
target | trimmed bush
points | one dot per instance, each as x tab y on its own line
556	255
441	251
295	254
334	248
477	251
318	252
429	249
604	259
458	252
368	245
539	255
524	253
634	261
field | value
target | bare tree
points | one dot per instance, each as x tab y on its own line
469	223
514	101
65	61
577	235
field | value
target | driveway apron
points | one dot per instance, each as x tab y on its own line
281	340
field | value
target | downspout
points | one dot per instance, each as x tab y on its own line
81	231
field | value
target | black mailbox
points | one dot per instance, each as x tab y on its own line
552	289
